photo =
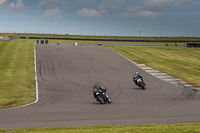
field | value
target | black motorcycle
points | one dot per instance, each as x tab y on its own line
139	82
100	94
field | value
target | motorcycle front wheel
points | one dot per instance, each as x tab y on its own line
100	99
109	100
142	86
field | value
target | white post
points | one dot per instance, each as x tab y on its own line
76	43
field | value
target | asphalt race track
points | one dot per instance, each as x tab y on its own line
66	75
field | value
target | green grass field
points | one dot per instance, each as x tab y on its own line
170	128
17	77
180	62
17	83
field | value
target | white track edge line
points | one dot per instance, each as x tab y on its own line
36	86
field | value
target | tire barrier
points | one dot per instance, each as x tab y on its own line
195	45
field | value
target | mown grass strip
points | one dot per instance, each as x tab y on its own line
180	62
17	83
171	128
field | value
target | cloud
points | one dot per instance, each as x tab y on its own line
154	8
86	12
112	5
157	5
19	4
161	5
11	4
53	13
137	13
129	12
128	9
107	7
48	3
148	14
2	2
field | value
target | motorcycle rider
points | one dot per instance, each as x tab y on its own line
98	88
137	77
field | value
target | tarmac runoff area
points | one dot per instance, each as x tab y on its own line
66	75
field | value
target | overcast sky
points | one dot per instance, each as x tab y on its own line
102	17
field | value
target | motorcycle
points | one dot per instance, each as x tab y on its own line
140	82
100	94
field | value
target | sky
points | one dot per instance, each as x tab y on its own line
102	17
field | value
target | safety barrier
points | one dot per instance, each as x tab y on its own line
195	44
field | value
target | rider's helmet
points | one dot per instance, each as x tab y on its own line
136	73
102	88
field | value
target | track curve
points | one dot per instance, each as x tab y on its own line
66	75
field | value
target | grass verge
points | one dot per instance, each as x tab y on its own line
17	81
180	62
171	128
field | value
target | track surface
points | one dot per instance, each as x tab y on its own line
66	75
